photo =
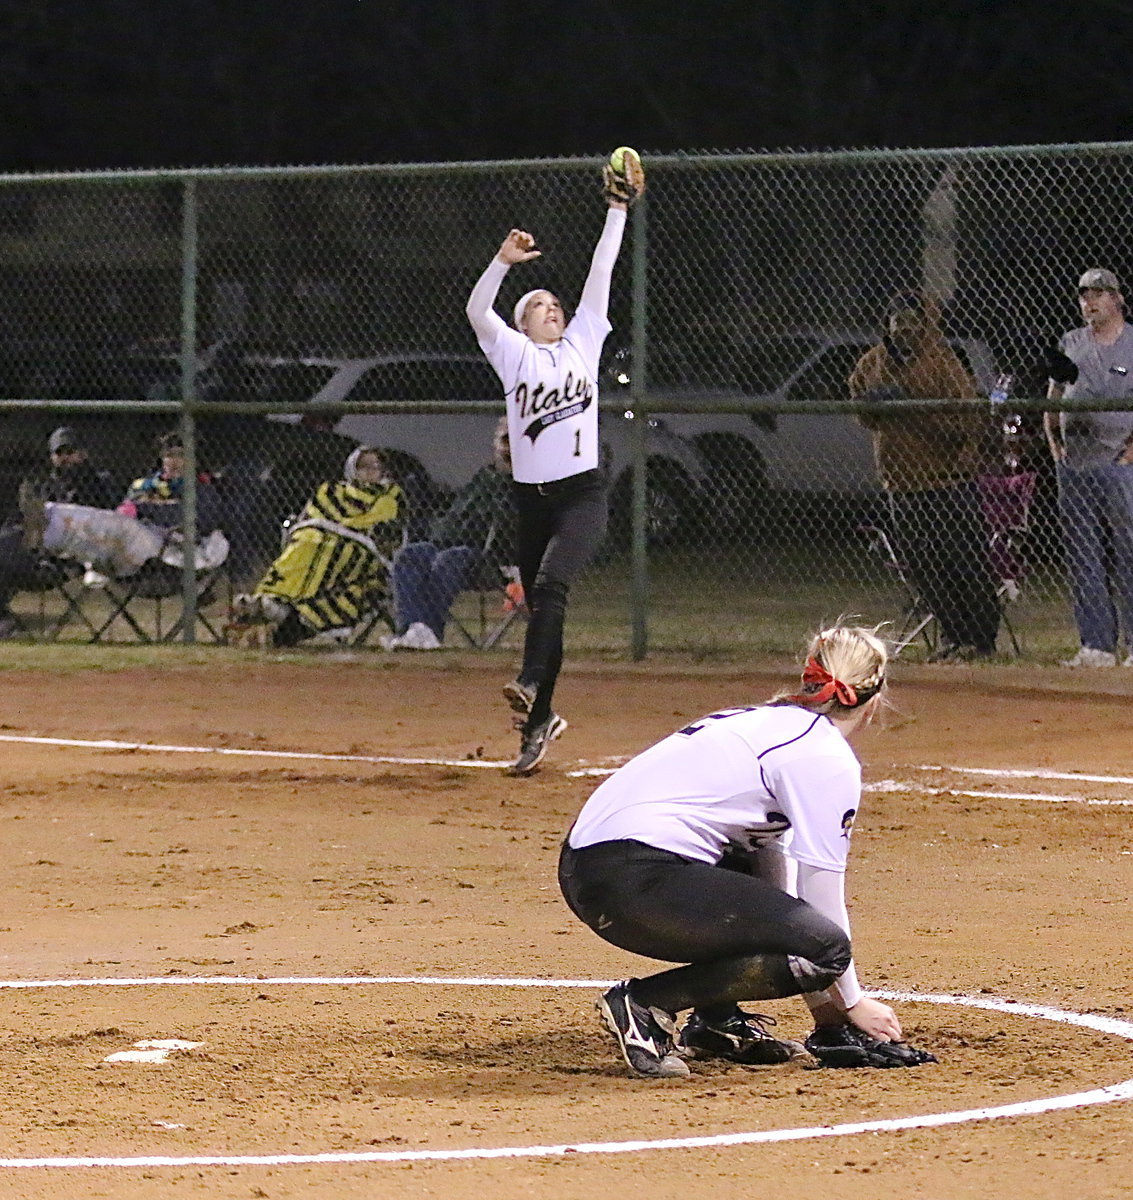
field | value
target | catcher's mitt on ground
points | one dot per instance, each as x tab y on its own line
623	177
848	1046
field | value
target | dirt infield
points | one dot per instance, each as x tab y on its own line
157	864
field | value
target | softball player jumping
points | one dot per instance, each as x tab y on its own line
683	854
549	371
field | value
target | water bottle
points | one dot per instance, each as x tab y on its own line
1010	423
997	397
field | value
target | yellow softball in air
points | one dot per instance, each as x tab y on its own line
619	156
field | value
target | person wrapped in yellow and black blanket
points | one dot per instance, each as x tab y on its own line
333	570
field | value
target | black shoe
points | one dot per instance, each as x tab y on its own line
740	1038
520	696
849	1046
644	1035
535	742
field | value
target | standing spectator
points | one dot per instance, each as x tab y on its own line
928	463
1093	455
549	371
73	479
473	538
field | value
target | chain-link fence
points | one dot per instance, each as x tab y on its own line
787	332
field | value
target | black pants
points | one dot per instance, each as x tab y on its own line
744	938
942	540
560	526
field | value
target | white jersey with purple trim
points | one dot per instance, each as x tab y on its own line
552	398
739	778
551	390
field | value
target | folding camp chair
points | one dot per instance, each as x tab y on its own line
496	609
379	611
1005	501
917	621
143	601
58	596
495	589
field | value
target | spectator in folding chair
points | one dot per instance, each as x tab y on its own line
929	462
333	571
139	545
473	541
73	479
155	500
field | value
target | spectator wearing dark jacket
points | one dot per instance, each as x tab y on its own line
929	462
73	479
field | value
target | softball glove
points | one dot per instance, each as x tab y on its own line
848	1046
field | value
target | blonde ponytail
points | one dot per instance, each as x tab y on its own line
845	668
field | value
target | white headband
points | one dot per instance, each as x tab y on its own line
521	306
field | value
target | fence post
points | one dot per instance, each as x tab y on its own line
639	556
188	399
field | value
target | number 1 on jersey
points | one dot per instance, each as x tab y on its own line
578	443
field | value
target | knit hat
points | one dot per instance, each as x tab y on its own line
64	438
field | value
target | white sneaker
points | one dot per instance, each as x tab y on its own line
273	609
95	579
419	637
1089	657
1128	661
333	637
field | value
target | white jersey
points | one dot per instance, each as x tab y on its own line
740	778
552	398
551	390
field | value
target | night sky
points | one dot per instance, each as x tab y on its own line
146	83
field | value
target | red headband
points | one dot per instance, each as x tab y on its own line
816	676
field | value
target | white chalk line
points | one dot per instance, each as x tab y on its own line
1030	773
1109	1094
301	981
1102	1095
158	748
495	765
897	785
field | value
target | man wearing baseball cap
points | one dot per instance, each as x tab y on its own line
1093	455
73	478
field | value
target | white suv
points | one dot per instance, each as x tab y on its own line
781	451
451	447
705	468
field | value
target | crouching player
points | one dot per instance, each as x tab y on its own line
682	855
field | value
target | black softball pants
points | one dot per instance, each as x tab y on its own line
560	526
743	938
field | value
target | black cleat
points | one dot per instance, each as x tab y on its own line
520	696
740	1038
849	1046
644	1035
534	744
